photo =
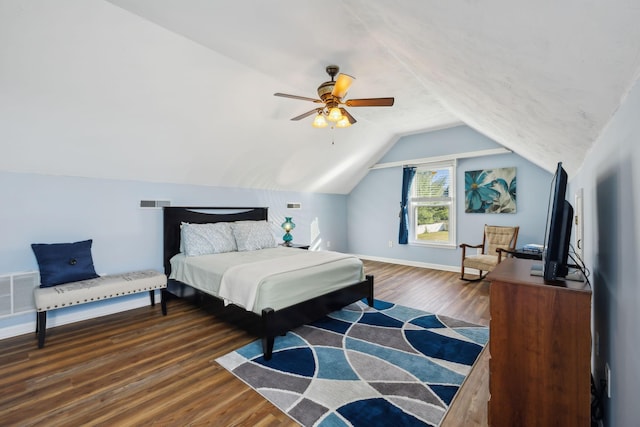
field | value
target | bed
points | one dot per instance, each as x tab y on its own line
296	286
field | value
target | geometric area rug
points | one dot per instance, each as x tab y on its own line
364	366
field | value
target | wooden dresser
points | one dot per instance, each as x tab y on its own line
540	346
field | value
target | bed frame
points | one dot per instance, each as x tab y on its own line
273	322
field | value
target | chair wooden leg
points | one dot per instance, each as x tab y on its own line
479	278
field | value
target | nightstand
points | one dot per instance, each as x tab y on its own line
297	246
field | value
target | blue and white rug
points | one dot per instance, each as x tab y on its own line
363	366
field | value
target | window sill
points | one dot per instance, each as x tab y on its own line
434	245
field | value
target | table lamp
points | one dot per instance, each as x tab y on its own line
287	226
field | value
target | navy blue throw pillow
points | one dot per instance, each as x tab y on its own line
64	262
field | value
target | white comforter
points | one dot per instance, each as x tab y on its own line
240	283
275	277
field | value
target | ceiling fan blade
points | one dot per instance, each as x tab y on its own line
303	98
349	116
342	85
307	114
370	102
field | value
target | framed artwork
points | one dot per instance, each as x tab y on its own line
490	190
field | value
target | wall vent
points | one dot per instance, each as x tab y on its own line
154	204
16	292
294	205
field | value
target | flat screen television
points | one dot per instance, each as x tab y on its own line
558	231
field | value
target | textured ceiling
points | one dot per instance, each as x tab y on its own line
185	88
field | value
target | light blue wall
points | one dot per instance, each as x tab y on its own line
610	179
48	209
374	204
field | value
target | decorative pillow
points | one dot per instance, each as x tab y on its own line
203	239
253	235
182	224
64	262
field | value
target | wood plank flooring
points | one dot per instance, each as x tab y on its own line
141	368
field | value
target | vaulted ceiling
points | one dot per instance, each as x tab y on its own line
182	91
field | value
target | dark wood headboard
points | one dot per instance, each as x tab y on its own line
173	216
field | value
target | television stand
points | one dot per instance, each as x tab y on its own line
540	346
574	275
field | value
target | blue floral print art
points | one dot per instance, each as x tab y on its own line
490	190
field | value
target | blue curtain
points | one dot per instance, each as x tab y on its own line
407	178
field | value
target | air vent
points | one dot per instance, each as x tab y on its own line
294	205
153	204
16	292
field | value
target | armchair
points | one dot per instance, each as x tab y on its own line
494	240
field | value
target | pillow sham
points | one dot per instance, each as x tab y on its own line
64	262
253	235
204	239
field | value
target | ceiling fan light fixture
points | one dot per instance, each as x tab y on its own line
342	86
331	94
334	114
319	121
343	122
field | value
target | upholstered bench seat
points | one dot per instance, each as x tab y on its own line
100	288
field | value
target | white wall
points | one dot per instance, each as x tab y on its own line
611	181
374	204
89	89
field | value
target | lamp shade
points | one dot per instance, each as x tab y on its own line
343	122
319	121
334	114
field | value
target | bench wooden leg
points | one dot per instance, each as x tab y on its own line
41	327
163	301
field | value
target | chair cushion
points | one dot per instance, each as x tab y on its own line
481	262
498	237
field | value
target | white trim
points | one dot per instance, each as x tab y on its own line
90	311
15	330
452	268
415	162
434	128
452	166
432	244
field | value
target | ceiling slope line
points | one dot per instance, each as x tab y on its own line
421	161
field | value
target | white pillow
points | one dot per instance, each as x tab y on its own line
253	235
203	239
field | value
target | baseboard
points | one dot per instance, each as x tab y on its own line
453	268
77	314
117	305
15	330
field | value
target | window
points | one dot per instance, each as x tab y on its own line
432	205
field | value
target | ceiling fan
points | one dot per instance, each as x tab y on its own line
331	94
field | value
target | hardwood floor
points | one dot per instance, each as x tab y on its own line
141	368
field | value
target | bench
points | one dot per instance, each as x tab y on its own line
100	288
